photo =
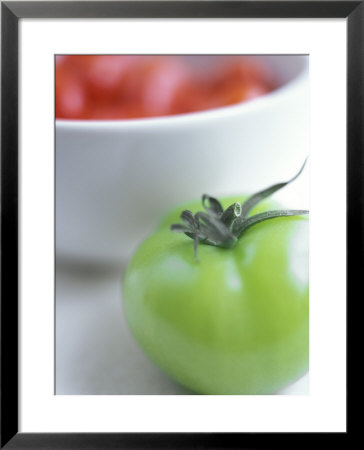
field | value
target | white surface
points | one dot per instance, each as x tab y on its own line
95	352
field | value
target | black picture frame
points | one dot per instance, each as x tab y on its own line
12	12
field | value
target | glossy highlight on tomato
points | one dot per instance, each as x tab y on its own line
110	87
235	321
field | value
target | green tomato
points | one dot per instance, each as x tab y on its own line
235	321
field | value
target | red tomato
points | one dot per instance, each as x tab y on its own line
195	96
237	93
167	78
105	75
245	70
153	84
70	95
130	86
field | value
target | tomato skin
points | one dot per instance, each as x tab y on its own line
236	322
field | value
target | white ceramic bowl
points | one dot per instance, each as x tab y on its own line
114	179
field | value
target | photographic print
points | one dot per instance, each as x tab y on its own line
168	172
182	219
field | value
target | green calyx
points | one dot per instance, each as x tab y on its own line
222	228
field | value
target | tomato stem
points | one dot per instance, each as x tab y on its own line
222	228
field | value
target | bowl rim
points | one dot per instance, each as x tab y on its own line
242	108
